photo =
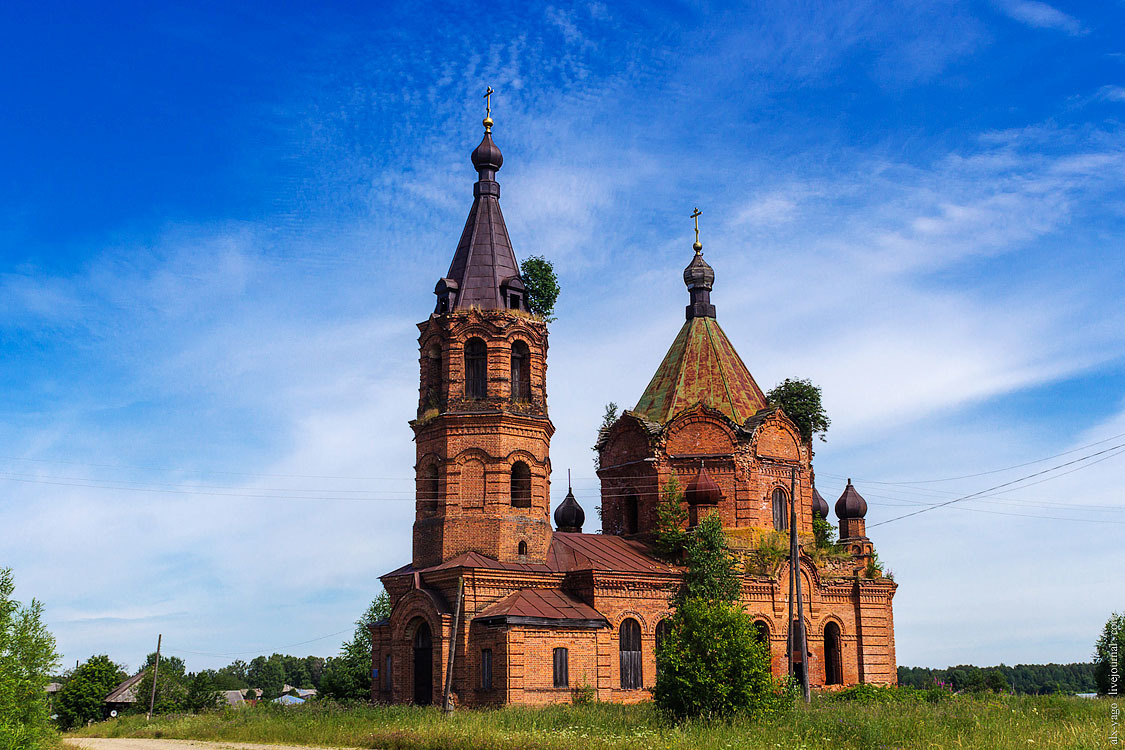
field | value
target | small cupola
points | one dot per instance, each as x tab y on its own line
703	490
699	278
820	505
851	509
569	516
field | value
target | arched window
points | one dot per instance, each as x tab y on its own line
521	550
630	635
433	377
476	369
428	489
521	485
833	656
761	632
521	372
423	666
632	513
780	510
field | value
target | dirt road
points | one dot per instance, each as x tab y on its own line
89	743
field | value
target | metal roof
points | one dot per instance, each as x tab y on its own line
543	606
484	260
701	366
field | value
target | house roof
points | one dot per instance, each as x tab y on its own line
545	606
701	366
126	692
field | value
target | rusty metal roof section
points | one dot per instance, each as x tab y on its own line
602	552
701	366
484	272
542	606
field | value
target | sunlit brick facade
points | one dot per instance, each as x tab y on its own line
547	611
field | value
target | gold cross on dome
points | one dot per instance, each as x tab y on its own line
695	214
488	109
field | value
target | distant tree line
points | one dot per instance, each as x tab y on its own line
1028	679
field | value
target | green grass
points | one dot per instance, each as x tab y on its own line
959	722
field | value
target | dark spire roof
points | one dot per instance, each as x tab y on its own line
569	516
484	272
703	490
820	505
851	504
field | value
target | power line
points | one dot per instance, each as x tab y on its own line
1007	468
1110	450
275	649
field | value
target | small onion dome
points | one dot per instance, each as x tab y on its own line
569	516
703	490
487	155
851	504
820	505
699	274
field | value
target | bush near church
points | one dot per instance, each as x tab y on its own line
711	664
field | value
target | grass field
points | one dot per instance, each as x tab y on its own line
960	722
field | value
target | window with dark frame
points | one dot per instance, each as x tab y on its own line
521	372
486	668
562	668
387	684
780	510
630	640
521	485
476	369
632	514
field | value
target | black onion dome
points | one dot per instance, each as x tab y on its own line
569	516
487	155
703	490
820	505
851	504
699	274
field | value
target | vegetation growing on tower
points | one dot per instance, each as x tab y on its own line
542	286
801	402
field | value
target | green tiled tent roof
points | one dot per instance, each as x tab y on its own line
701	366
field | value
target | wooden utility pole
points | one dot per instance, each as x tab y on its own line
802	640
789	624
445	703
155	669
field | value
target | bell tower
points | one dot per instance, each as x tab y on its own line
483	434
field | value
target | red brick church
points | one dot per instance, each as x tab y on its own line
547	609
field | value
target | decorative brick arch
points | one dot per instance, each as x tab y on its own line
700	431
632	614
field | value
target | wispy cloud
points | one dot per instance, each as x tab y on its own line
1041	16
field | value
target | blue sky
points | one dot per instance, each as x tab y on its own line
221	225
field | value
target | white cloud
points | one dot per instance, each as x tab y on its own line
1112	93
1041	16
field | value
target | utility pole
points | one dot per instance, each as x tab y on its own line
446	705
155	669
803	640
